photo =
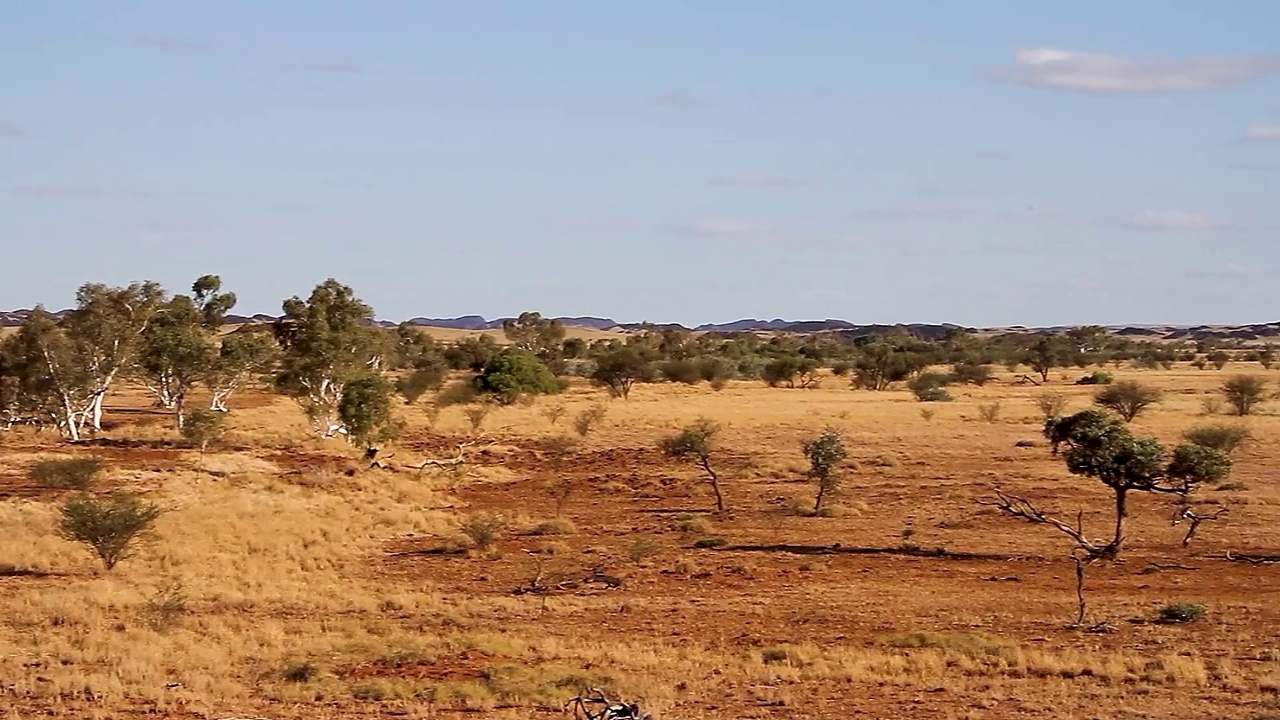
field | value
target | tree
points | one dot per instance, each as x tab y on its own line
1098	446
1219	358
105	330
177	351
969	373
203	428
532	332
111	527
1044	356
1267	356
696	442
245	355
930	387
471	353
880	365
791	371
1244	393
515	372
365	411
212	305
619	369
1088	344
825	452
1128	398
327	341
46	376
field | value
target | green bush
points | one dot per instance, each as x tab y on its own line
514	372
1097	377
111	527
66	473
202	428
1128	398
931	387
682	371
1183	612
1223	437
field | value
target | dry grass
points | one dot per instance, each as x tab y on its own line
294	604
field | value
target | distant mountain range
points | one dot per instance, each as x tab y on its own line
475	322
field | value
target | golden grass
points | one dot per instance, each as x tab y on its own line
289	600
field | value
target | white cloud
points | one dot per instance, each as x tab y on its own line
1102	73
1169	220
1263	132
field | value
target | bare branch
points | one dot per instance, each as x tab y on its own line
1023	508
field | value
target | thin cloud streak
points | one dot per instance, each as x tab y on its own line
53	191
1105	74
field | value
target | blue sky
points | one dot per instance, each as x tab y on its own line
983	163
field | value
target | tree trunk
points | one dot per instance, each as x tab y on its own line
1122	512
218	403
69	420
715	483
817	505
179	410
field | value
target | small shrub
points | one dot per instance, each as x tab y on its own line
165	608
682	371
66	473
930	387
587	420
1244	393
1097	377
300	673
553	413
696	443
483	529
972	374
1211	405
719	384
711	542
1182	612
112	527
694	526
1232	487
928	414
825	453
515	372
1227	438
1128	398
418	382
202	428
476	415
642	550
1052	404
989	412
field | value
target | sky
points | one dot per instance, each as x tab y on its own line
987	163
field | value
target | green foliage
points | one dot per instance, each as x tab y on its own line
714	369
1182	612
1048	353
931	387
177	351
682	371
1128	398
536	334
212	305
791	371
471	353
696	442
245	356
967	373
1097	377
365	411
1244	393
111	527
76	473
620	369
418	382
1219	358
514	372
1099	446
1223	437
825	453
202	428
881	364
1196	464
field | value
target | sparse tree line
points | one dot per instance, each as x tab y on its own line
342	368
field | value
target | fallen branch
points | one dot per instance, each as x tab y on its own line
1023	508
839	549
1253	559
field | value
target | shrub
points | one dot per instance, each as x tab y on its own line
790	371
1244	393
202	428
554	526
712	369
553	414
642	550
300	673
1223	437
476	415
620	369
719	384
165	607
928	414
683	371
1052	404
111	527
711	542
1097	377
1219	358
696	442
989	412
418	382
971	373
483	529
930	387
66	473
825	453
841	368
1183	612
1128	398
514	372
365	410
694	526
587	420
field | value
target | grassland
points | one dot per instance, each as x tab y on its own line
288	581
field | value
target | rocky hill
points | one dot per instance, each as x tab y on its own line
1258	331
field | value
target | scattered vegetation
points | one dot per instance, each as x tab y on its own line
74	473
1182	612
825	453
1244	393
112	526
696	442
1224	437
